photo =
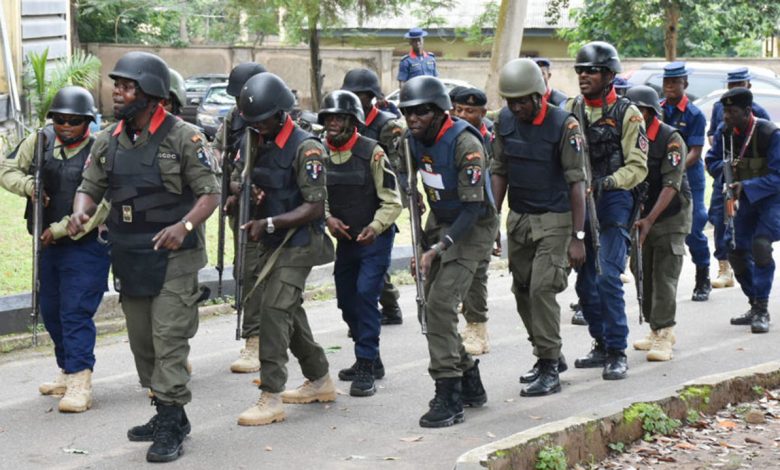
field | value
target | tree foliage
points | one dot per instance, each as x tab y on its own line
487	20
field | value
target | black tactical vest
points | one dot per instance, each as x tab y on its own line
275	174
372	131
656	155
235	132
352	194
754	163
605	137
535	175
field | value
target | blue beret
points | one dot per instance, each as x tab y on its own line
738	75
469	96
620	83
675	69
415	33
740	97
542	61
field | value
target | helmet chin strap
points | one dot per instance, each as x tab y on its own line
129	112
433	130
345	134
73	140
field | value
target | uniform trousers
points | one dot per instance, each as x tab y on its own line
696	240
759	220
662	260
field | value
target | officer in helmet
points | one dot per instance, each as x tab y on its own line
617	144
553	96
450	157
289	174
160	179
363	203
77	265
538	158
177	97
383	127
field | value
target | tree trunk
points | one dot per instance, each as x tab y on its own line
506	44
316	63
184	35
75	42
672	21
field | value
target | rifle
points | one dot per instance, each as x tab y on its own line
38	192
729	199
414	215
590	199
640	195
244	214
225	193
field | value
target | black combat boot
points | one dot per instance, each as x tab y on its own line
168	435
363	383
533	374
473	392
616	365
760	322
392	315
446	408
747	317
578	318
145	432
547	382
595	358
703	287
348	374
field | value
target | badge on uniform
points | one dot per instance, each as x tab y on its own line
314	169
474	173
575	143
205	157
674	158
642	143
127	214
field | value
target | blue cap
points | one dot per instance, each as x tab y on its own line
738	75
620	82
542	61
415	33
675	69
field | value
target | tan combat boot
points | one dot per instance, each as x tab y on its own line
57	387
725	276
646	343
268	409
475	339
78	396
661	349
321	390
250	357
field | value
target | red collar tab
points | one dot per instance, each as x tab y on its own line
157	119
448	123
483	130
414	56
119	128
682	105
372	115
611	98
547	94
652	130
284	134
347	146
539	119
752	118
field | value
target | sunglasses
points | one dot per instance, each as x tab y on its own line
73	121
420	110
589	69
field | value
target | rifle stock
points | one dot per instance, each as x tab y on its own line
225	192
590	199
729	199
640	194
414	214
244	214
38	193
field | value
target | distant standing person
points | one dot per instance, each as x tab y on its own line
556	97
417	62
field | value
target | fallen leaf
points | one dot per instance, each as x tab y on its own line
684	445
257	382
412	439
509	400
537	418
268	448
491	435
356	457
391	458
727	424
71	450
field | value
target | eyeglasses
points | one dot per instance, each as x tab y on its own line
420	110
73	121
589	69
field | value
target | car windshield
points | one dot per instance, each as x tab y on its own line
771	103
197	83
218	95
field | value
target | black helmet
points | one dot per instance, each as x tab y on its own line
645	96
341	102
263	95
240	74
73	100
600	54
149	71
357	80
425	89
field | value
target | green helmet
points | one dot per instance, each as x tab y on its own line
520	77
177	87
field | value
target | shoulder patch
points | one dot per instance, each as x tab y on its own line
473	156
397	130
636	119
378	155
195	138
573	125
314	169
673	145
641	141
576	143
474	172
313	152
206	158
674	158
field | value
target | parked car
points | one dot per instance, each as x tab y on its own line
703	78
213	108
196	87
768	99
450	83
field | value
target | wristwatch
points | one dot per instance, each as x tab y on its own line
580	235
269	225
187	224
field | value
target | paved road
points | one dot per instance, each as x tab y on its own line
379	432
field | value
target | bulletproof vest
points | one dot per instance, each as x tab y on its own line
352	194
372	131
275	174
755	162
141	205
605	138
235	132
656	155
61	178
440	172
536	177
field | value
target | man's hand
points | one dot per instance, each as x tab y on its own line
497	245
230	201
255	229
426	260
367	236
737	188
76	223
258	195
576	253
171	237
644	226
338	229
46	198
420	203
47	238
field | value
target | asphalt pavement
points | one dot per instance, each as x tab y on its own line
380	432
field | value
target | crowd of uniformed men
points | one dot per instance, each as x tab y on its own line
580	176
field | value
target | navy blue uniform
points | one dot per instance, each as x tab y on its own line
413	65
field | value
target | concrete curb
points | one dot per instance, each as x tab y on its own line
586	439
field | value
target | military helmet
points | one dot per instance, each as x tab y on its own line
148	70
521	77
425	89
240	74
73	100
177	87
599	54
359	80
263	95
341	102
645	96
